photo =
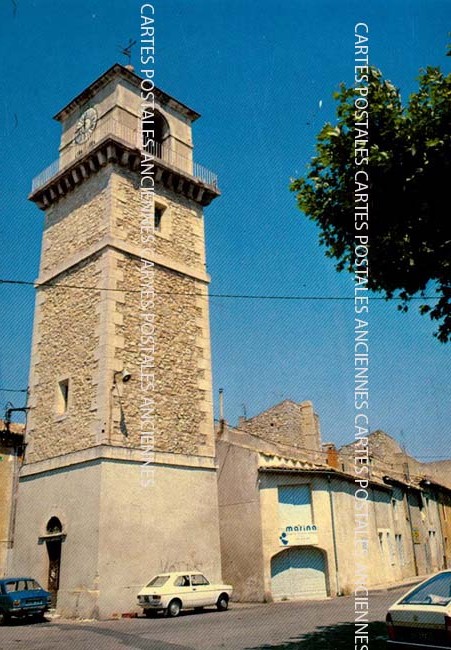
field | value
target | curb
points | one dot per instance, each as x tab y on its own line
399	585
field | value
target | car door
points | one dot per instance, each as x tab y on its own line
183	589
202	591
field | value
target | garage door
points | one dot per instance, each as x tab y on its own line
298	573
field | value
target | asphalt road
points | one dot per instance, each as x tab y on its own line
288	625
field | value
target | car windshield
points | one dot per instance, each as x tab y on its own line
436	591
158	581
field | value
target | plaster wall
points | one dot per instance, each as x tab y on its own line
239	522
119	532
321	517
8	466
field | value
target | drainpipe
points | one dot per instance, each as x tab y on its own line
17	461
442	537
221	411
435	493
411	533
334	537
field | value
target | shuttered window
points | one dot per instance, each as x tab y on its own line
295	505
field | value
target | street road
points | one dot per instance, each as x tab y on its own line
287	625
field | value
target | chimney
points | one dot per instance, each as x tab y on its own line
331	454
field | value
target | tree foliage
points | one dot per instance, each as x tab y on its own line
409	167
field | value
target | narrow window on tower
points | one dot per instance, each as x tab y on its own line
162	219
62	397
158	216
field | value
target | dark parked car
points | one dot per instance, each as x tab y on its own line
22	597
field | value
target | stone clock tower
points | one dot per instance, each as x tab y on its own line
88	525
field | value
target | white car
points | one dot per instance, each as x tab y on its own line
172	592
422	618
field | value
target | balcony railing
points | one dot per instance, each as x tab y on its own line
132	137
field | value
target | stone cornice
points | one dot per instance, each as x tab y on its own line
111	242
115	454
112	149
118	71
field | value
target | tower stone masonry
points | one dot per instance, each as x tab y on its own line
84	444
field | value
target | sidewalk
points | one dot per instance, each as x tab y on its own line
407	582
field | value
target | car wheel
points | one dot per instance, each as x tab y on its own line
5	618
150	613
222	602
174	608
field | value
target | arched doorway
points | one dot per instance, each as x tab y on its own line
299	572
53	540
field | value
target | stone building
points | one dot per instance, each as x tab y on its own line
425	497
287	423
442	494
11	455
439	471
119	479
288	525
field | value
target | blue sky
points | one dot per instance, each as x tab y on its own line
256	71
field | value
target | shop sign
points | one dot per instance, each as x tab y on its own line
298	534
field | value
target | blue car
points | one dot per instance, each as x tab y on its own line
22	597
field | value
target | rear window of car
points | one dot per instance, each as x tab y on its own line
20	585
158	581
199	579
436	591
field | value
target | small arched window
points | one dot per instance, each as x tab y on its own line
159	142
54	526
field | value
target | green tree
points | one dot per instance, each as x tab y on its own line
409	167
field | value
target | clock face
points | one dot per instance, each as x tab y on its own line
85	125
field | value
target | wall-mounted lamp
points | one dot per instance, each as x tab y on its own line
126	376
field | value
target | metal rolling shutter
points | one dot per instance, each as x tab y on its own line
298	573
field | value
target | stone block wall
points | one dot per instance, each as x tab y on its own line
65	345
287	423
182	232
92	239
182	391
76	222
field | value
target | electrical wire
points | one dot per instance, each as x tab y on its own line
202	295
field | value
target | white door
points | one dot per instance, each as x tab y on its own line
298	573
202	591
184	591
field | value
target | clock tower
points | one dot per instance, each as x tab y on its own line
119	479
